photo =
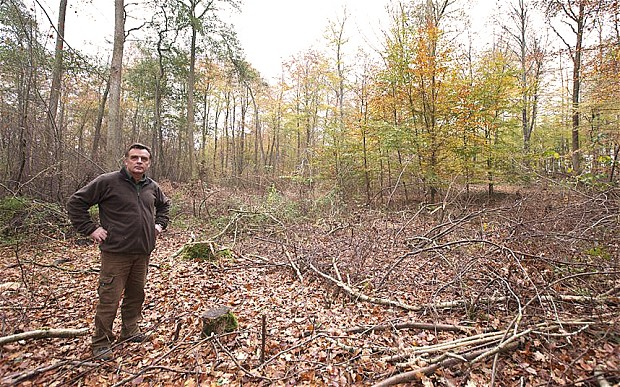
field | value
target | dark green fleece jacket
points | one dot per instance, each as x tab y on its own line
128	211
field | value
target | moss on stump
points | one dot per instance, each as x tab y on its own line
218	320
205	251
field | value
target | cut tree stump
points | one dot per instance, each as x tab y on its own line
218	320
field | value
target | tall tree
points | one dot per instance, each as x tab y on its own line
602	93
578	15
531	56
417	75
57	72
58	62
202	18
21	70
337	41
114	136
308	74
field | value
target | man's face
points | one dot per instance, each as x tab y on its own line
137	162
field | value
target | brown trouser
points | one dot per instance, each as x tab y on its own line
119	273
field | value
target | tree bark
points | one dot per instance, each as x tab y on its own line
58	64
575	147
116	67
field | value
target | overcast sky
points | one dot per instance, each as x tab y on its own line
270	31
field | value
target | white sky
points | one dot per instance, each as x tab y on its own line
270	31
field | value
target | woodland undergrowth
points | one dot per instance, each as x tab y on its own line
520	288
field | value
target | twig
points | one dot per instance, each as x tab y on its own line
294	266
22	376
336	269
274	357
501	347
54	266
154	362
600	378
263	338
232	357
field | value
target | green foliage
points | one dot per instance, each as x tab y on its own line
205	251
12	204
328	205
180	211
278	205
593	180
22	217
599	252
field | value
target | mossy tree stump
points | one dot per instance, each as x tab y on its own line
204	251
218	320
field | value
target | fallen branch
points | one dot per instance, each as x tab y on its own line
485	339
56	266
600	378
23	375
385	302
428	370
410	325
43	334
154	363
234	359
452	304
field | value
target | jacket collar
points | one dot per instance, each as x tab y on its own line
127	176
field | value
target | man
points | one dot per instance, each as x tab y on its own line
132	211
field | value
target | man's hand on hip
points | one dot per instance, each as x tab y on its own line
99	235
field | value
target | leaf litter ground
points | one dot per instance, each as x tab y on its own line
510	264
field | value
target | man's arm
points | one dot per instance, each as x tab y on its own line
77	208
162	210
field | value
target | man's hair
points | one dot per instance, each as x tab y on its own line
137	145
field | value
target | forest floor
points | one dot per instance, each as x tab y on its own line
519	289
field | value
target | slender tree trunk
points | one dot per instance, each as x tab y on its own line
157	136
58	63
99	122
114	112
216	142
614	163
25	135
366	172
575	147
190	106
241	157
53	125
259	158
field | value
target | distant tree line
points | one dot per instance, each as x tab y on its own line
430	111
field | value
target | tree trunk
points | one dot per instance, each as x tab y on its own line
97	135
575	147
190	106
58	64
114	113
54	126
